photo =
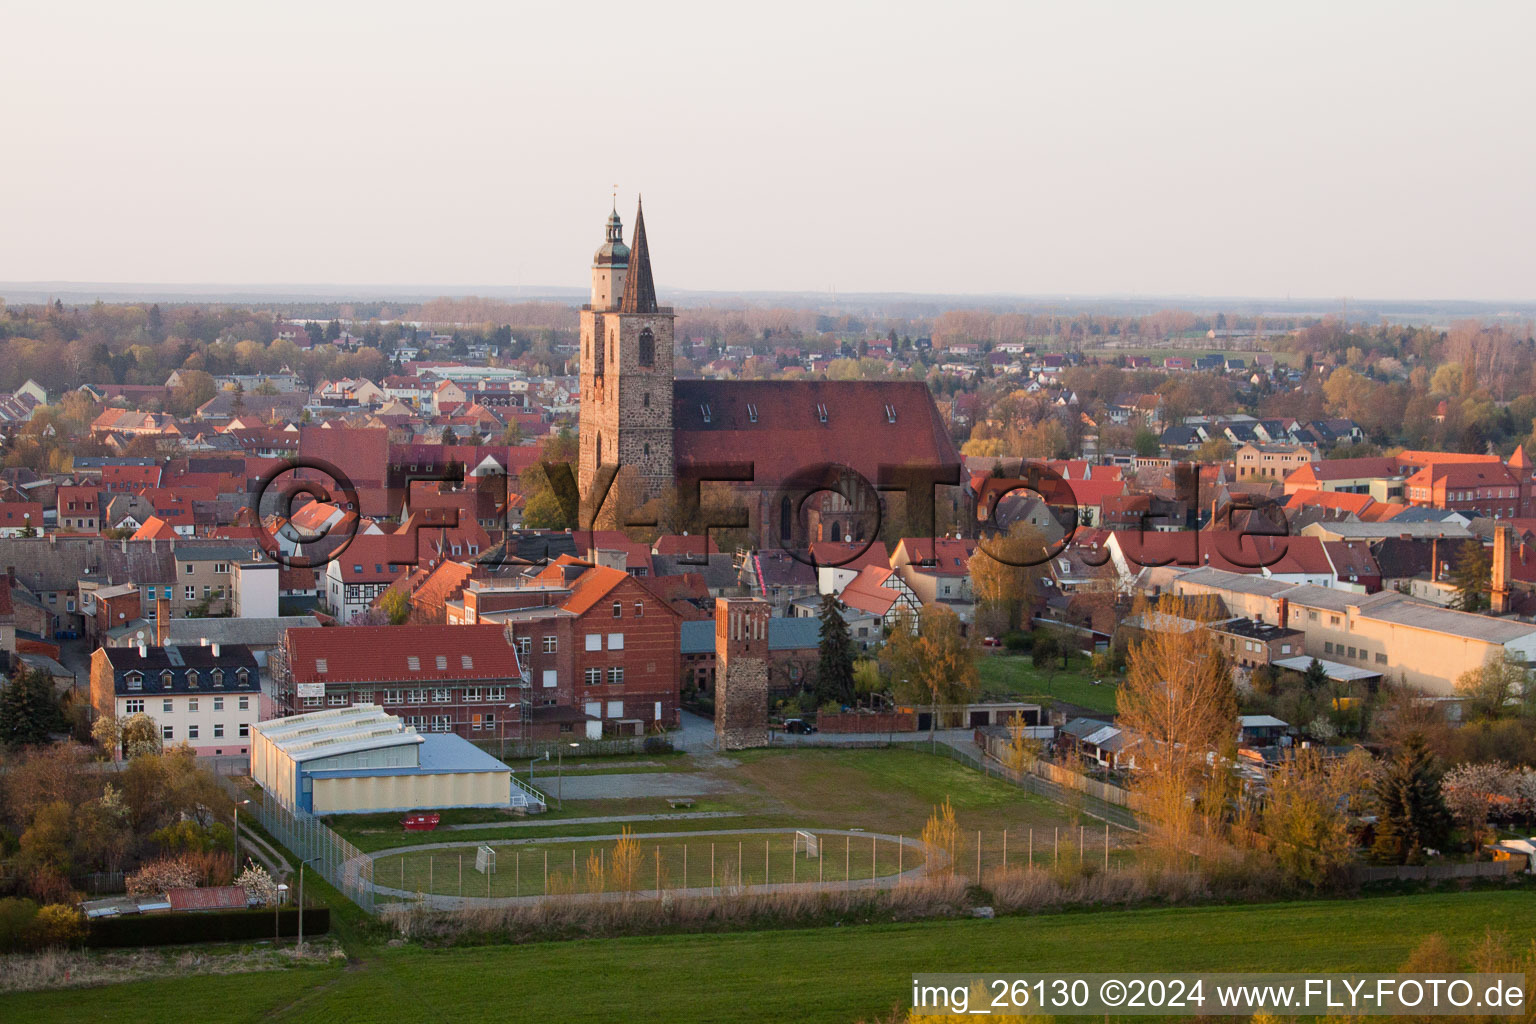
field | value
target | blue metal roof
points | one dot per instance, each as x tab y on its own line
797	634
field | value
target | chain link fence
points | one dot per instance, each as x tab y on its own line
338	861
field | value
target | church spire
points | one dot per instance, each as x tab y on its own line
639	287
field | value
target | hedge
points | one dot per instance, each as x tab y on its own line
204	926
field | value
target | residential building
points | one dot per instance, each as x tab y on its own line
208	697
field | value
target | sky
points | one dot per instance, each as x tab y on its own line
1373	150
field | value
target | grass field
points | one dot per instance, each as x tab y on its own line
1016	674
879	790
680	861
825	976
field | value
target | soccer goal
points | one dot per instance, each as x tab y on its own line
809	843
485	860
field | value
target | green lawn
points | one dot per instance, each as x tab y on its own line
831	975
1016	674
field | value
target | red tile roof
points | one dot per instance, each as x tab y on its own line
1344	502
777	425
154	528
385	653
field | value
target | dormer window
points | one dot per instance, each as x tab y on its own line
191	678
218	677
242	677
167	679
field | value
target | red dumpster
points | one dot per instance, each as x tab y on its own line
420	822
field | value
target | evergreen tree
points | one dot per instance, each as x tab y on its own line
1471	573
1316	677
834	675
449	437
29	709
1411	814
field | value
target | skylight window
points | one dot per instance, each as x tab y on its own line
465	661
705	411
321	665
751	412
442	662
413	663
890	414
821	412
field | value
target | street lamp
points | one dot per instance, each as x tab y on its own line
238	804
560	776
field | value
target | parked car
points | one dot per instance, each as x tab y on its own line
799	726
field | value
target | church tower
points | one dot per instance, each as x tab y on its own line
626	365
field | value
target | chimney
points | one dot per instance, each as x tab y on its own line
162	620
1283	610
215	650
1434	560
1503	568
143	651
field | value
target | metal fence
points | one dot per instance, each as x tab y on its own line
338	861
1089	804
521	750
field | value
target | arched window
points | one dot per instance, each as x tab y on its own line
647	400
597	355
647	348
835	531
647	448
786	517
598	455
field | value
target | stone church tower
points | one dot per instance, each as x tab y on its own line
626	366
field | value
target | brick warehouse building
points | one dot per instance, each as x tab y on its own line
601	647
436	678
635	414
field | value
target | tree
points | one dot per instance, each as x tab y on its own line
1411	810
1306	818
395	603
1495	689
1147	443
934	663
866	676
834	671
513	434
140	736
449	437
1217	449
1179	706
29	709
1005	572
1315	677
1471	573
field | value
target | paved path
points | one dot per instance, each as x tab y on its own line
444	902
640	784
613	819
